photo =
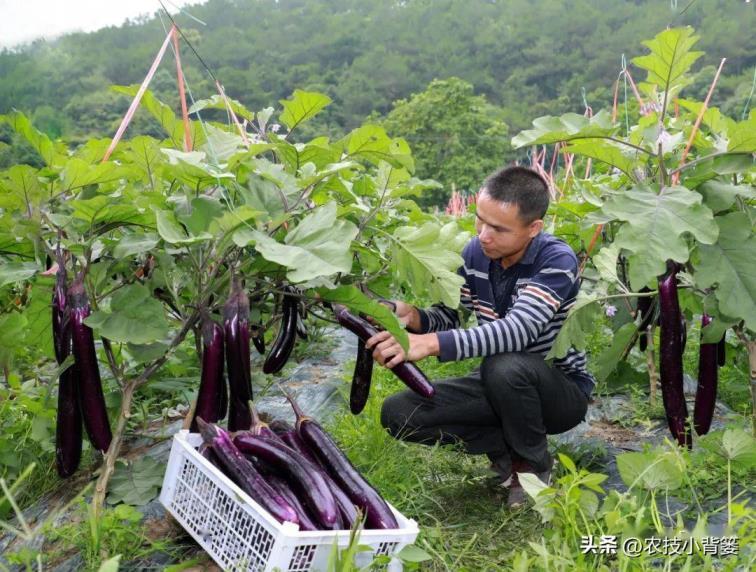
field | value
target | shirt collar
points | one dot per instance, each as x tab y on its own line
532	251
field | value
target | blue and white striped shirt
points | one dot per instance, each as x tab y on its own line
542	288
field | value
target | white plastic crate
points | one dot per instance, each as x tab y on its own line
241	535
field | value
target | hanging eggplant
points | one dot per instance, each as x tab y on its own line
284	342
706	392
91	399
68	432
408	372
361	379
670	361
236	332
212	399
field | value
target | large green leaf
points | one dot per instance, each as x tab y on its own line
581	319
657	224
318	246
20	190
221	144
652	471
358	302
303	106
370	142
191	169
670	58
422	258
41	142
739	446
729	264
171	230
134	317
720	196
11	272
607	361
137	243
38	329
623	157
570	126
78	173
742	136
105	210
136	483
217	102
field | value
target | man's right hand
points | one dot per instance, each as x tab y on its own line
407	314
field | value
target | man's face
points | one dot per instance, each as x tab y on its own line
501	232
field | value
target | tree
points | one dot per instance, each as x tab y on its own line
457	137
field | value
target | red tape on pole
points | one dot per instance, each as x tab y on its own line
182	92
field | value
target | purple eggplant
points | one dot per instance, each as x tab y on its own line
244	474
284	342
670	359
283	488
361	379
361	493
212	390
91	399
408	372
706	392
299	473
347	509
236	330
68	432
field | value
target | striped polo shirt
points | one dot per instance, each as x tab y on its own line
535	295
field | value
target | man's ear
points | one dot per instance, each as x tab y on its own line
535	227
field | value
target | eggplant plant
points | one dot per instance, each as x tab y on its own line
158	236
669	182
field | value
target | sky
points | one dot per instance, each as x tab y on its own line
22	21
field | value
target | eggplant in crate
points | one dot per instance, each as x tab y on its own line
241	535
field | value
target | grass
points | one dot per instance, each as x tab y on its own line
464	525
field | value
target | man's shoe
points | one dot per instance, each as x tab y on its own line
499	477
517	495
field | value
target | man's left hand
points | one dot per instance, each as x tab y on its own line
388	352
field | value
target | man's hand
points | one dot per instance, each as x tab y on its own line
388	352
407	314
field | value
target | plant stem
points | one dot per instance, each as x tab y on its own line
751	344
651	364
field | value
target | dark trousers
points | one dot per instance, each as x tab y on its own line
505	410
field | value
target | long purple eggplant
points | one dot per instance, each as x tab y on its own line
378	514
706	392
282	487
287	334
212	389
91	399
408	372
68	432
347	509
299	473
670	360
361	379
244	474
236	330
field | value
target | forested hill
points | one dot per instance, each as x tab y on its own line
530	57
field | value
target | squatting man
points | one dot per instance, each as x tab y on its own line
520	282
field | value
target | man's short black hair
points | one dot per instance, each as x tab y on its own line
522	187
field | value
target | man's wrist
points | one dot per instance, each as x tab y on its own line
432	347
